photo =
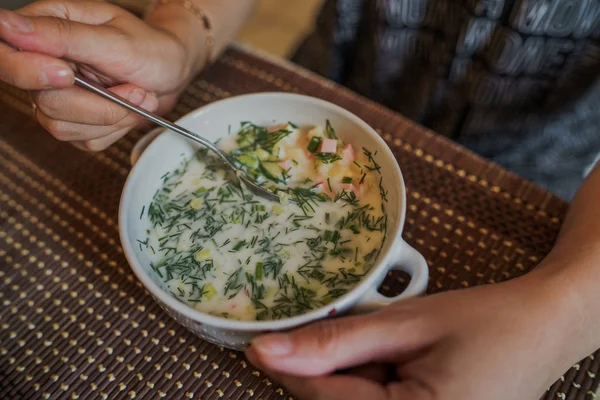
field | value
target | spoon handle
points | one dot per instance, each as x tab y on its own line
157	119
178	129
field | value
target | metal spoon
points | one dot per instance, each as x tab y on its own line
84	83
254	188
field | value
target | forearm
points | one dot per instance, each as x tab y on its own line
573	269
226	16
579	238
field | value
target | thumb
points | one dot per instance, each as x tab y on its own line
340	387
33	71
335	344
62	38
343	387
335	387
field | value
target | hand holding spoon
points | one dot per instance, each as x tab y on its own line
107	94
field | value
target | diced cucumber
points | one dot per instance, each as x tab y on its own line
244	142
262	154
255	175
272	171
313	145
249	160
284	198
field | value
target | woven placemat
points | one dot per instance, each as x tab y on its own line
76	323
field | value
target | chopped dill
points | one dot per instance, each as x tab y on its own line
328	158
216	242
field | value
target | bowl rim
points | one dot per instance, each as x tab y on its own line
198	316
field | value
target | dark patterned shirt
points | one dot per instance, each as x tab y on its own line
514	80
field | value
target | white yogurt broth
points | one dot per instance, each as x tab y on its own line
226	252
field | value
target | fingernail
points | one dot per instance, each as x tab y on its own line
274	345
137	96
150	102
57	76
15	22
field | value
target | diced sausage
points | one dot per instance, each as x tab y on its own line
328	146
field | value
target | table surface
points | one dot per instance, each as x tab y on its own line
76	323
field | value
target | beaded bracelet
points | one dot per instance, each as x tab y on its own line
198	12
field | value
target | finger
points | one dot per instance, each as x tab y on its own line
329	345
333	387
102	143
32	71
342	387
63	38
376	372
81	106
70	131
322	387
410	389
88	12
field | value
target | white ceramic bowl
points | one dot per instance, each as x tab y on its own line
164	154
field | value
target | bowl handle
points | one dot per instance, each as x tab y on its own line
143	143
406	259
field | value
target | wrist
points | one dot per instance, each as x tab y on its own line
568	300
187	30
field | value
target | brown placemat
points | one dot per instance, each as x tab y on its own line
75	322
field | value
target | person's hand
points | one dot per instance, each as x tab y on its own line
504	341
149	66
